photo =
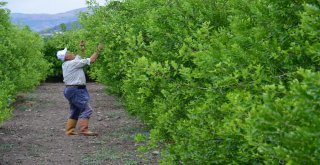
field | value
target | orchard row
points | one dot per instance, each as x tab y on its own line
22	64
216	81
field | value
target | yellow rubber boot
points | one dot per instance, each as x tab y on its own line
71	125
84	128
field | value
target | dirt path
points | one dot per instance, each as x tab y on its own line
35	133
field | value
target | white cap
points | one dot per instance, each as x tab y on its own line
61	54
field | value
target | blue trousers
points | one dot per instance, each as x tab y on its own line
79	102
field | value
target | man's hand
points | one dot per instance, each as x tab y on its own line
82	47
95	55
100	47
82	44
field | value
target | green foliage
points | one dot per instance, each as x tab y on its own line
22	64
63	27
216	81
285	127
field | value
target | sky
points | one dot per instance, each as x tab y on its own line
45	6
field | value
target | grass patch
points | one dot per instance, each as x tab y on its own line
6	147
26	101
113	151
34	150
107	154
100	156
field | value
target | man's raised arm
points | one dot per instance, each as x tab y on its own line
95	55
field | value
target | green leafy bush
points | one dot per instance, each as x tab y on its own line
285	126
22	64
207	76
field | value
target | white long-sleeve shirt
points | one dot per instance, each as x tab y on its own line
72	71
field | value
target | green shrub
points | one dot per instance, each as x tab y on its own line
285	127
198	72
22	63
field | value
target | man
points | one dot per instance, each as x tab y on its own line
76	91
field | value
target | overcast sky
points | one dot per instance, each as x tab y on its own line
45	6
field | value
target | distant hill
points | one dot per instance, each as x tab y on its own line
69	26
40	22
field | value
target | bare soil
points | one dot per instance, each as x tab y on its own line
35	133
